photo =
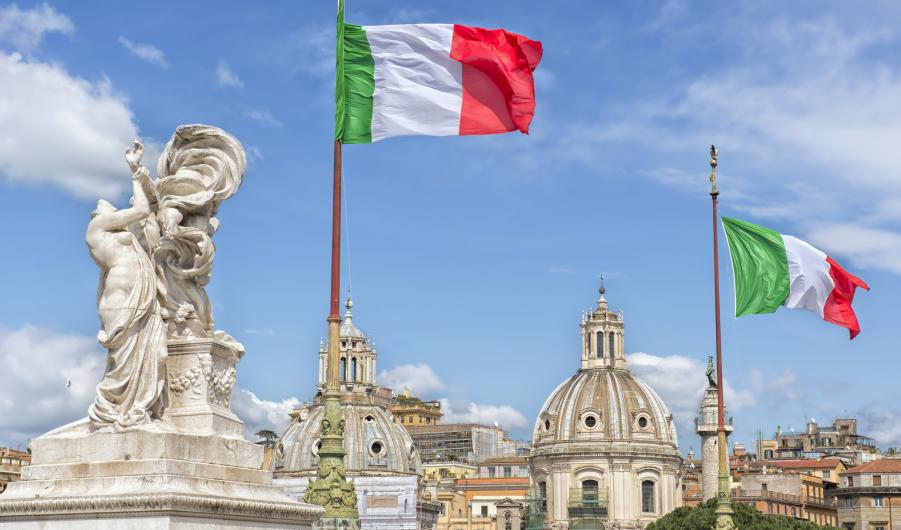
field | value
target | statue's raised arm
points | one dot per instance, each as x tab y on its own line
131	392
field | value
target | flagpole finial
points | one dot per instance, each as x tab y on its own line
713	154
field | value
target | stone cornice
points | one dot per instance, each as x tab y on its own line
160	503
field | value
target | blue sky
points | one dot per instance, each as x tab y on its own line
471	258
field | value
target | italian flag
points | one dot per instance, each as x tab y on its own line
431	79
773	269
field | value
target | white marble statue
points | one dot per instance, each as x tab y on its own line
132	328
200	167
156	258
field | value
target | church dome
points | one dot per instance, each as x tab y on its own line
604	448
375	443
373	440
604	404
603	400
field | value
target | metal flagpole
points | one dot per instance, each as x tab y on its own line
331	488
724	502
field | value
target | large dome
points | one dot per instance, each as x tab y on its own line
601	404
604	449
374	442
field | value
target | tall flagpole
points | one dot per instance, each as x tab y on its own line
724	498
331	488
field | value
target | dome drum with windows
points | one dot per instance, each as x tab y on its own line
604	447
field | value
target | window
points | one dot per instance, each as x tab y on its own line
523	471
827	474
612	348
588	344
643	422
648	505
484	511
877	480
763	486
590	421
768	454
508	472
542	494
877	502
600	342
492	472
376	448
590	492
847	502
794	512
850	482
547	425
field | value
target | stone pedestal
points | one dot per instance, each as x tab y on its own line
193	470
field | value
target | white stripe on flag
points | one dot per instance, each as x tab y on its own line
418	87
808	272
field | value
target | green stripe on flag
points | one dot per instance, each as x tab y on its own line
358	85
759	265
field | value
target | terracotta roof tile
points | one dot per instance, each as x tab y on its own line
885	465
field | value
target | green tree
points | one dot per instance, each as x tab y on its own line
746	518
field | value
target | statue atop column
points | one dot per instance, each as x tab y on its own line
711	373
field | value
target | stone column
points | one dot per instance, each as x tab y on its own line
559	492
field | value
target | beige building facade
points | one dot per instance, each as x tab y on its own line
604	447
869	496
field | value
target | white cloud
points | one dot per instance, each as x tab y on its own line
504	415
25	28
867	247
63	130
310	50
226	78
805	108
48	379
263	117
420	379
258	414
680	381
254	154
883	424
146	52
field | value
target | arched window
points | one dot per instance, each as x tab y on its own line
343	369
648	503
590	492
600	343
612	337
542	495
353	369
588	344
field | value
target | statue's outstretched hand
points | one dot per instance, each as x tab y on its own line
133	155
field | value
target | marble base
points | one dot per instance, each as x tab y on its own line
148	478
191	471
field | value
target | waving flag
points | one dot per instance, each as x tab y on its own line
772	269
432	79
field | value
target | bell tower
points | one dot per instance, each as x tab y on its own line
602	336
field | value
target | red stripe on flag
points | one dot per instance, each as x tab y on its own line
498	89
838	308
